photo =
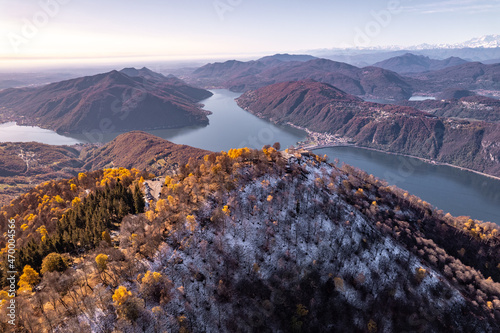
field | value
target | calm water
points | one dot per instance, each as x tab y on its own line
450	189
10	132
230	127
421	98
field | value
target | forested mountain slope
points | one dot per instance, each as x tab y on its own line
250	240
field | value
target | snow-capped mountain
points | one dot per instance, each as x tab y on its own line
488	42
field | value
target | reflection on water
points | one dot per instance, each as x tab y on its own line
10	132
230	127
450	189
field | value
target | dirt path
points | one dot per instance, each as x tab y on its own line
152	188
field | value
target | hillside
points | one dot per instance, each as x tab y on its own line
257	241
470	106
24	165
111	101
469	76
390	128
411	63
142	151
369	82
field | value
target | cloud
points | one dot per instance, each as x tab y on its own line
453	6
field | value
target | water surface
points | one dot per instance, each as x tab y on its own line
230	127
451	189
11	132
421	98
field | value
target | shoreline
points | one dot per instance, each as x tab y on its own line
343	142
432	162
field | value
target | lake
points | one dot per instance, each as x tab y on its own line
450	189
230	127
10	132
418	98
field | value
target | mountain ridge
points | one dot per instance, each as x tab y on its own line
410	63
242	76
392	128
108	101
275	241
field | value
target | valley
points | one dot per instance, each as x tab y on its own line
216	216
235	166
323	108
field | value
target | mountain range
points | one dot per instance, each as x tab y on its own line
411	63
369	82
483	49
114	101
397	78
469	76
323	108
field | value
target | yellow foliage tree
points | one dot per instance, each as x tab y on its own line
126	304
4	298
76	201
102	262
150	215
29	278
121	295
42	230
420	274
372	326
161	205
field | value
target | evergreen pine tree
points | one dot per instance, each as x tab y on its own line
138	200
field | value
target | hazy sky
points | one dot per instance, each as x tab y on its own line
52	30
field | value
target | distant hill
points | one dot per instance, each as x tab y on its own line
454	93
369	82
287	57
469	76
113	101
322	108
142	151
460	104
23	165
411	63
491	61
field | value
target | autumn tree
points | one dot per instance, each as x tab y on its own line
53	262
156	287
127	305
28	279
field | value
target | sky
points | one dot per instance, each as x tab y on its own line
96	31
